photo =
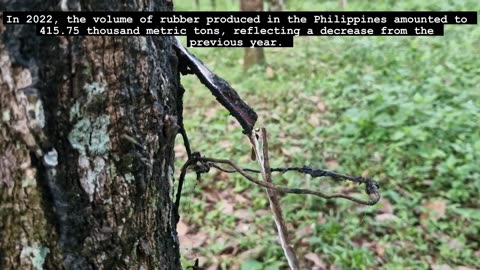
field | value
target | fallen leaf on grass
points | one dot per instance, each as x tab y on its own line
477	253
332	163
227	145
211	195
303	232
211	112
221	176
321	220
336	267
229	244
180	151
313	99
321	106
232	125
318	263
454	244
269	73
214	266
226	208
243	215
441	267
226	194
314	119
242	227
182	228
386	217
262	212
377	156
193	240
379	249
291	151
240	199
253	253
385	206
427	182
435	210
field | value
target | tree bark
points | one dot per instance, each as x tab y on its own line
252	56
87	131
275	5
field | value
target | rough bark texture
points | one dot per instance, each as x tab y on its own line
252	56
86	146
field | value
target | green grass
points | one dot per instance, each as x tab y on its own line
403	110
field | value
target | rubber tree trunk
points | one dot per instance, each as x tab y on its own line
275	5
252	56
87	130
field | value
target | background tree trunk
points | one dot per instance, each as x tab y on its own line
86	146
252	56
275	5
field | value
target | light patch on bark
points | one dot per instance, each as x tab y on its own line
23	78
92	137
129	178
23	108
33	103
142	44
6	116
29	176
93	177
75	111
94	91
35	112
171	178
35	254
51	158
66	6
5	66
90	134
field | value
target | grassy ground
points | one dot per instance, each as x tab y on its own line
403	110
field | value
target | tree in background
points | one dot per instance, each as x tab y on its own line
275	5
252	56
255	56
86	146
